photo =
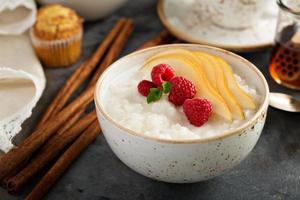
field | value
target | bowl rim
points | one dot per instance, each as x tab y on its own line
216	137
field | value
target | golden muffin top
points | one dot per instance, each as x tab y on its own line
56	22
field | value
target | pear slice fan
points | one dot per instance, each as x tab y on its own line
213	78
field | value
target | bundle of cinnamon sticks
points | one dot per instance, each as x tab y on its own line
64	131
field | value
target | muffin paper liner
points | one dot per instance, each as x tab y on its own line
58	52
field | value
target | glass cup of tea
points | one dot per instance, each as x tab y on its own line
284	64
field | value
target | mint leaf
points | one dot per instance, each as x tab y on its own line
166	87
154	95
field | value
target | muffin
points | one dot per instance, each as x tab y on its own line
56	35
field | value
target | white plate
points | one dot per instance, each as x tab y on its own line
174	12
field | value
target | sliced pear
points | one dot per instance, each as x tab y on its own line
173	51
222	86
209	69
188	67
177	51
242	97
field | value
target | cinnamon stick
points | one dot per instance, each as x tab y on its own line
48	152
13	173
71	121
81	74
163	37
10	161
110	56
88	136
114	51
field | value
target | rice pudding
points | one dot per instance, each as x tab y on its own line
162	119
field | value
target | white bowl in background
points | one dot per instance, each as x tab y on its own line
89	9
180	161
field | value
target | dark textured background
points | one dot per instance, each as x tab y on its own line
271	171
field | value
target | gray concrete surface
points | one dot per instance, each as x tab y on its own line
271	171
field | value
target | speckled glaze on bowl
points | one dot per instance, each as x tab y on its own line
179	161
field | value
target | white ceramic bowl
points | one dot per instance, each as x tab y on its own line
182	161
89	9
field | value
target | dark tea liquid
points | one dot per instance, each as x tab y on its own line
284	65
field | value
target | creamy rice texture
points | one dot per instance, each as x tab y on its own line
161	119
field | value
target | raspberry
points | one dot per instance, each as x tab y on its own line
144	87
197	111
181	90
161	73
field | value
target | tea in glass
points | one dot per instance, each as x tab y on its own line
284	64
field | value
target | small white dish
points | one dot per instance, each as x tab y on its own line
173	12
89	9
182	161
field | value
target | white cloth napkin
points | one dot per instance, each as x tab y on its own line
22	79
16	16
